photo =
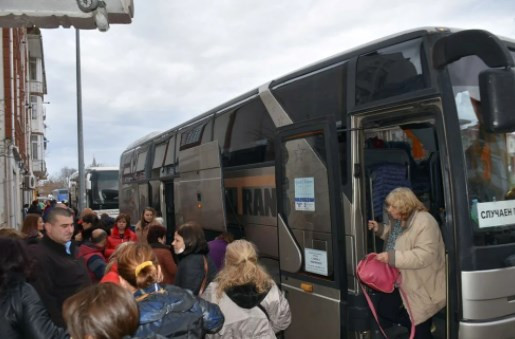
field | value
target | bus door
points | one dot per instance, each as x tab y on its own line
198	192
310	229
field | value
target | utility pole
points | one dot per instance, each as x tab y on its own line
80	136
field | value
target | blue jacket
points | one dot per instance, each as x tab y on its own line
175	313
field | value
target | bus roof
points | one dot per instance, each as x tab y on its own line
94	169
340	57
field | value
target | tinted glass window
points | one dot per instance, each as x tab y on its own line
208	131
169	160
159	153
316	95
220	130
250	135
126	162
143	196
389	72
489	159
192	137
142	157
154	195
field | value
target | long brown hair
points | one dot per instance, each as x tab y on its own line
30	225
143	222
138	265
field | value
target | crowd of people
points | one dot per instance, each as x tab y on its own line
77	275
68	274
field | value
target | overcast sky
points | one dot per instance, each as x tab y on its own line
178	59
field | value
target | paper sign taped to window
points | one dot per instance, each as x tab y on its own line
315	261
496	213
305	194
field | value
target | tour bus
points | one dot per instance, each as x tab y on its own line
101	190
299	165
61	194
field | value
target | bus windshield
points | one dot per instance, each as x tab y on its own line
490	158
104	189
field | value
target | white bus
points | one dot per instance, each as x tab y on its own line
101	190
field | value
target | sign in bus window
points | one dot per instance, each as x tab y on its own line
305	194
315	261
497	213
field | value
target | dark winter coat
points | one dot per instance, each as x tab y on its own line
190	272
175	313
23	315
57	275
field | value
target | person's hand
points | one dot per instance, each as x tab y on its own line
373	225
382	257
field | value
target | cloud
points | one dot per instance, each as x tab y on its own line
179	59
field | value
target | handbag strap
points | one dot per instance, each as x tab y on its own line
372	309
204	281
264	311
374	313
412	334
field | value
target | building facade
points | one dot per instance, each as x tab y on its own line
22	116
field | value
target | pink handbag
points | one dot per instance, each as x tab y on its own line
377	275
381	277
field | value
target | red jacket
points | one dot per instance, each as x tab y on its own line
86	251
112	275
116	239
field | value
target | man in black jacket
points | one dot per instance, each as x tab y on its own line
58	273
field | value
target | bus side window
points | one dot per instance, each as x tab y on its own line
249	135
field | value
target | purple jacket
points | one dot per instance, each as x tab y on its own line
217	252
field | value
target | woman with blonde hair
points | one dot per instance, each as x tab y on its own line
166	310
414	245
251	302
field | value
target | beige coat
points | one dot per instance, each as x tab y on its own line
420	257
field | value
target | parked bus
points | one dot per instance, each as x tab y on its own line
101	190
61	194
299	165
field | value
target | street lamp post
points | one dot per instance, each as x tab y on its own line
80	137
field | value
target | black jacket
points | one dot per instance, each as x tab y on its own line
57	275
22	315
190	272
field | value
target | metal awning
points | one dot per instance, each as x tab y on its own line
66	13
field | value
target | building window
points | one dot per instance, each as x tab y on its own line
34	106
34	142
33	64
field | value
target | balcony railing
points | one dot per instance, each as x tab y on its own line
39	168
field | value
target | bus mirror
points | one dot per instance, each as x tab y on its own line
497	89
